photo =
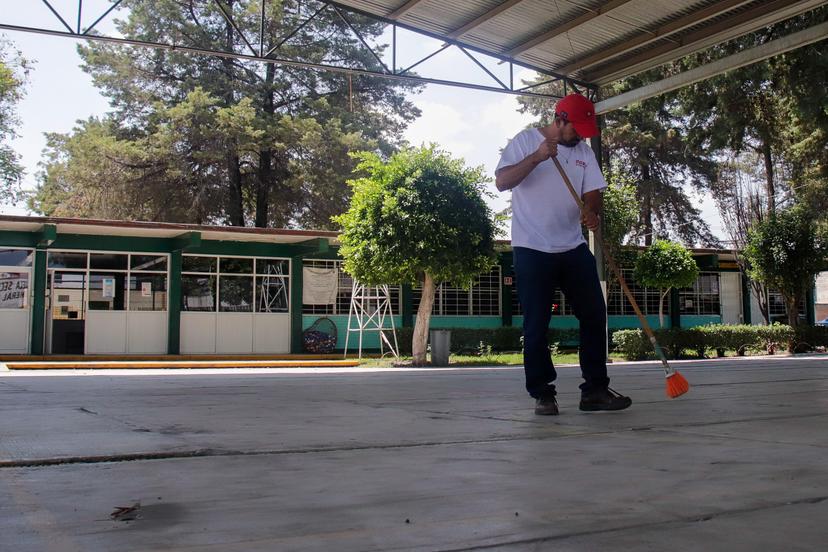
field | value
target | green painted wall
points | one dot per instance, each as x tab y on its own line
691	321
442	322
370	340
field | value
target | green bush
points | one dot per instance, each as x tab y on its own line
808	338
735	337
634	345
776	336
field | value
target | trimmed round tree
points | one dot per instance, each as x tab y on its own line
417	218
665	265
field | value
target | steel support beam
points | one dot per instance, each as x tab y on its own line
752	55
664	31
262	55
758	17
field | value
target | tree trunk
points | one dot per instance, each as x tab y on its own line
762	299
769	187
235	210
792	307
661	308
264	174
647	214
263	177
420	339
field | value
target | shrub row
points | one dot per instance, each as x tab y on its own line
634	345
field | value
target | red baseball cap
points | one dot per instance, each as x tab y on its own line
579	111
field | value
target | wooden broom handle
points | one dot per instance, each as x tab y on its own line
613	266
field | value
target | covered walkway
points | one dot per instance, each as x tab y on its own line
436	459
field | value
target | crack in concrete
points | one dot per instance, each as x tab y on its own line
197	453
694	519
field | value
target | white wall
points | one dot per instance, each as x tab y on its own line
14	331
226	333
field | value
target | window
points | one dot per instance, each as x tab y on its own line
199	284
235	293
560	307
14	290
117	281
646	298
702	297
272	285
778	312
147	286
147	291
15	257
198	264
198	293
106	291
483	299
108	261
152	263
67	260
235	284
343	292
485	294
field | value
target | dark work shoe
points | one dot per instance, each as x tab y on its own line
605	399
547	406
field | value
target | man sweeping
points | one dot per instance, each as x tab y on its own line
550	250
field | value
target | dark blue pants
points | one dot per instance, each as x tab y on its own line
574	272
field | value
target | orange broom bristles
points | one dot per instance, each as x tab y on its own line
676	385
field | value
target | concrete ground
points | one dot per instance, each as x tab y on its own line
428	460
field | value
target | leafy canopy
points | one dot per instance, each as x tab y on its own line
666	264
786	250
419	212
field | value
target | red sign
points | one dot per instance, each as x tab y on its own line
507	280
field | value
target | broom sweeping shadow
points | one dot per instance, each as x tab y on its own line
677	385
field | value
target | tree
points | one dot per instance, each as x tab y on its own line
168	174
647	142
785	252
13	71
665	265
739	197
306	120
620	210
420	218
775	108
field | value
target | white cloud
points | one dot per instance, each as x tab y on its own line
502	116
443	124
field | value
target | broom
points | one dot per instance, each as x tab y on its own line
676	384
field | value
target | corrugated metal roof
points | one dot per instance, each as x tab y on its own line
619	38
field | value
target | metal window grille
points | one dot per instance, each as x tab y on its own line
483	299
560	306
249	284
703	297
344	289
777	310
647	298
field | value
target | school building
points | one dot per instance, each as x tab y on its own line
74	286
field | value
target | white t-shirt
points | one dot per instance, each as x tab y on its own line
545	216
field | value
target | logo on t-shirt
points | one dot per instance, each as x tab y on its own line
580	163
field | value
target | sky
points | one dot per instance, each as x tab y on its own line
467	123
